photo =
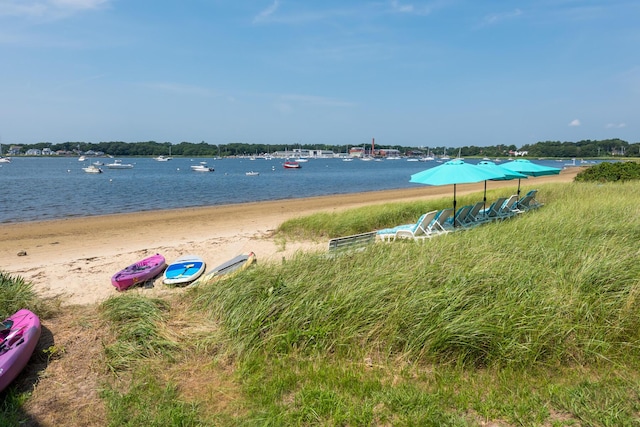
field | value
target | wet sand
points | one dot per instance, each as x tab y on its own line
75	258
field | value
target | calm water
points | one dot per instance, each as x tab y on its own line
34	189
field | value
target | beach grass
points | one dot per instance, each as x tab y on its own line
528	321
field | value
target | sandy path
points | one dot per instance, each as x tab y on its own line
76	257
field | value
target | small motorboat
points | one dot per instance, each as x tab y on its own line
252	173
92	169
117	164
291	165
202	167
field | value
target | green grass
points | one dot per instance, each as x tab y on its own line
531	321
16	294
149	403
138	325
554	288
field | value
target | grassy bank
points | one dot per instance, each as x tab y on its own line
530	321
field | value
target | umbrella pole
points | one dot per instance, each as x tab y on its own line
484	200
518	188
454	206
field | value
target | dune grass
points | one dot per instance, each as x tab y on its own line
16	294
554	288
529	321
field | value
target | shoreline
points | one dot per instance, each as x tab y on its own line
75	257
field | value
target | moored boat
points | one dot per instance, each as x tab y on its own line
202	167
291	165
117	164
92	169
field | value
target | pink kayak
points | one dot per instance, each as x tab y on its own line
139	272
20	334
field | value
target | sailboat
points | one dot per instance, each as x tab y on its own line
162	158
4	159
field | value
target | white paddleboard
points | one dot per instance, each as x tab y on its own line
184	270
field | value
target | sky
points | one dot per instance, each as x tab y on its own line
406	72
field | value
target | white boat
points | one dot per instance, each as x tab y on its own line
252	173
117	164
4	159
82	158
98	163
348	159
92	169
163	158
202	167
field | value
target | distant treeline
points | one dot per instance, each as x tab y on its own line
580	149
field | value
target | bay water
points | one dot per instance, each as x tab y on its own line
45	188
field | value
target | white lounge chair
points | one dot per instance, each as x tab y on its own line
441	221
423	228
508	208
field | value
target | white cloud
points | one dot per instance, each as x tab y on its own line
404	8
265	14
615	125
575	122
47	8
496	18
398	7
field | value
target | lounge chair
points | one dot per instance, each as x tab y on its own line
528	202
475	215
423	228
460	217
508	208
441	221
493	211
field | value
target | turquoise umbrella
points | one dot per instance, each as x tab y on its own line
455	172
508	174
529	168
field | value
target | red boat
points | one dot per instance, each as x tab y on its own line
291	165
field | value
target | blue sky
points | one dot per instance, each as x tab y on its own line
409	72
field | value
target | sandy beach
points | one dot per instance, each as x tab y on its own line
75	258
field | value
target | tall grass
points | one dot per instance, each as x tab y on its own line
16	294
138	324
556	285
149	403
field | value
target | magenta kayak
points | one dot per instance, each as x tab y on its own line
20	334
139	272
